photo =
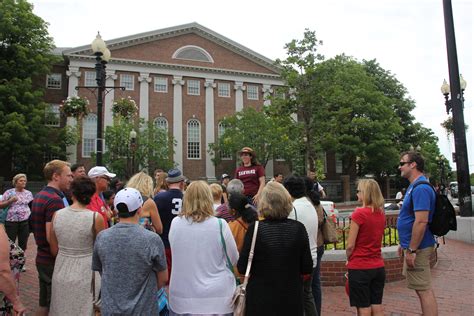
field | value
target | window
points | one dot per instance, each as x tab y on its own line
127	81
53	81
47	157
252	92
194	139
220	131
89	79
162	123
52	115
223	89
338	163
89	134
194	87
161	84
191	52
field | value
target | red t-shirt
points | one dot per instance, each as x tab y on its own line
249	176
367	252
99	206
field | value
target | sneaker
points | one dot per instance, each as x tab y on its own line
24	268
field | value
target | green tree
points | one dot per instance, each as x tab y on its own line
153	148
25	54
268	135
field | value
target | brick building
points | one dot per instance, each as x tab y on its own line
185	79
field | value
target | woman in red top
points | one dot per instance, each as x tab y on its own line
251	173
364	254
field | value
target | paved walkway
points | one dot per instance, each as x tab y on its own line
453	281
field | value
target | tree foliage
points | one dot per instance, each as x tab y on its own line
25	54
268	135
153	148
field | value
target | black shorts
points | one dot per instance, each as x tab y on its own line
366	287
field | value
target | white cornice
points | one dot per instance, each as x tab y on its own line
187	70
179	30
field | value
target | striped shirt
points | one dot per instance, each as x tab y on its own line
45	204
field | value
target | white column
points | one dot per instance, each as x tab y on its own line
210	169
144	80
109	98
267	91
239	95
74	74
178	83
269	169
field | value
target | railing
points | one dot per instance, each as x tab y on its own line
390	237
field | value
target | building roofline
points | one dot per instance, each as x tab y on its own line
180	29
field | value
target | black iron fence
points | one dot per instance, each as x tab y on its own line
390	237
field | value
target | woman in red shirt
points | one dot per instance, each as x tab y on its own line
364	254
251	173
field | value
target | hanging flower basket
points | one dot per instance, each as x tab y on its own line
125	107
75	107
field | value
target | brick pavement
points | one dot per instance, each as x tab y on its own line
453	281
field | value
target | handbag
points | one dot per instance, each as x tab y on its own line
96	302
238	301
228	263
329	230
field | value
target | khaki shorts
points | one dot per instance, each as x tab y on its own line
419	277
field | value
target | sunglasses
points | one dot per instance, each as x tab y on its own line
402	163
106	178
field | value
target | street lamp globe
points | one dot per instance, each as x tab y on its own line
462	82
98	45
106	55
445	88
133	135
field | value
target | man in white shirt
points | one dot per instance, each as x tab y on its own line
304	212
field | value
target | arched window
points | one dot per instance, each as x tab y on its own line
89	134
220	131
191	52
194	139
162	123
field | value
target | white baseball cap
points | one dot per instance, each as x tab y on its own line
100	171
130	197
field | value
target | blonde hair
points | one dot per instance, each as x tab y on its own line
18	177
161	183
197	203
216	191
52	167
275	201
142	182
371	194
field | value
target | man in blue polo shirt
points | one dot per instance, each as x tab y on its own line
416	240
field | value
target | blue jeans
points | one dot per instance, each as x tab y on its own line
316	284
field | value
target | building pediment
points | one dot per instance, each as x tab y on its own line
188	45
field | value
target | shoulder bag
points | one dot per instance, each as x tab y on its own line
95	301
238	301
329	229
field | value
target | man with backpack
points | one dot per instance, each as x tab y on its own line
416	240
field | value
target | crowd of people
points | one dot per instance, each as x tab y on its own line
168	248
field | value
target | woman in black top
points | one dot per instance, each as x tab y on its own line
281	257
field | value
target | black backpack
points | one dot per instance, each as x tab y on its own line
444	217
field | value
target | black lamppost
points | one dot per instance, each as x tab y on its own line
102	56
456	105
133	148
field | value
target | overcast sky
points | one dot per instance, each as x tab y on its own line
406	37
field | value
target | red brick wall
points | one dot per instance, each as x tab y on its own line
162	50
332	272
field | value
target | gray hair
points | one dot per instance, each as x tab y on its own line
235	186
18	177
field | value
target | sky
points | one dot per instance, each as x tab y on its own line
406	37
